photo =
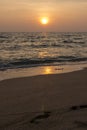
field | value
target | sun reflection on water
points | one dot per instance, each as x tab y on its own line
48	70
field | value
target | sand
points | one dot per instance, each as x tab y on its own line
48	102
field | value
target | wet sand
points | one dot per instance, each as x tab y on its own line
51	102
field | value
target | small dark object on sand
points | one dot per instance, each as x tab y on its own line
78	107
40	117
83	106
59	68
74	108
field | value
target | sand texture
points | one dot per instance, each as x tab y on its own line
49	102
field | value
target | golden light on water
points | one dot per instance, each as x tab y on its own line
44	20
47	70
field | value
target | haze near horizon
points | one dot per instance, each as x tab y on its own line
25	15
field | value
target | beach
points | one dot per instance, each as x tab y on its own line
51	102
43	65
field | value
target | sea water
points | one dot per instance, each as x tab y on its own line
21	50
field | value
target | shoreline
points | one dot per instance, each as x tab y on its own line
40	70
63	98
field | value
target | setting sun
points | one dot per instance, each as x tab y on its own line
44	20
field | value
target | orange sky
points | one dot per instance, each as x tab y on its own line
24	15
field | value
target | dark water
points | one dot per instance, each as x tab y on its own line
19	50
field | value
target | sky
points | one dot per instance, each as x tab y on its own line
24	15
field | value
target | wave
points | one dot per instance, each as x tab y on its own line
16	49
74	41
23	63
46	45
2	37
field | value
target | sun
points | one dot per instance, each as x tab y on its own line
44	20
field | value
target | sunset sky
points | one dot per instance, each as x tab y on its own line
25	15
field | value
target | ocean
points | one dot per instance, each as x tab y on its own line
31	49
25	54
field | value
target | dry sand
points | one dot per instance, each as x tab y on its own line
49	102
